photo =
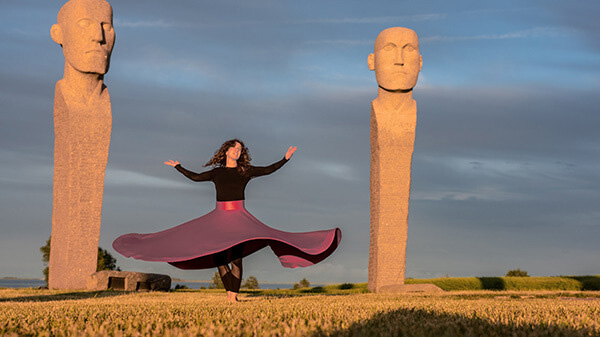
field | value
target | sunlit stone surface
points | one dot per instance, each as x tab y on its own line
128	281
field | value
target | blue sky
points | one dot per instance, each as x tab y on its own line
506	168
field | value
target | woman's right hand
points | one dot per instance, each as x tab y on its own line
172	162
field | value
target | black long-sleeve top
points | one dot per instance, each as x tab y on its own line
229	182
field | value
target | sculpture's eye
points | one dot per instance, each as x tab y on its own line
84	23
409	48
389	47
107	27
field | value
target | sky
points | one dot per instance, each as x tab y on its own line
506	166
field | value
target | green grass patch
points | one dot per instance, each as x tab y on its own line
571	283
553	283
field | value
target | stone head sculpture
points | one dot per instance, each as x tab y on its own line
396	59
82	129
85	31
397	62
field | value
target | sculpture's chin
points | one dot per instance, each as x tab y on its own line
100	70
94	64
398	90
397	86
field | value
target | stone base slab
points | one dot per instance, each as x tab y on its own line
128	281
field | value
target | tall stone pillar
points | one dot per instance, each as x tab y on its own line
396	62
82	128
392	143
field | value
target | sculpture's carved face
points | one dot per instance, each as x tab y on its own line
86	34
396	59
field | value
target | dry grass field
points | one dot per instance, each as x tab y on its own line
33	312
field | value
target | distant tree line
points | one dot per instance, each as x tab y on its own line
517	273
250	283
302	284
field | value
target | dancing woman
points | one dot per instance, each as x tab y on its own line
229	232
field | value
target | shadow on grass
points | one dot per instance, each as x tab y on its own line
344	289
299	293
492	283
287	295
587	282
76	295
419	322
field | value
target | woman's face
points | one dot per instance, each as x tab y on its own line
234	152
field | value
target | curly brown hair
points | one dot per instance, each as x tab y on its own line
219	159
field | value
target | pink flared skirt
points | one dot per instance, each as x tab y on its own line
225	234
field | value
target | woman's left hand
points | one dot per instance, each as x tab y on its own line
290	152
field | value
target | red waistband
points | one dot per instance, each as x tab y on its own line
230	205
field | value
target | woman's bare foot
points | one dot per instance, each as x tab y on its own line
232	297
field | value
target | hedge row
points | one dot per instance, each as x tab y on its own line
574	283
514	283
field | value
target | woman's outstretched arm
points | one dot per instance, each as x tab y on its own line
258	171
204	176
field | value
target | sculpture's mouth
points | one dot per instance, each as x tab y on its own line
100	51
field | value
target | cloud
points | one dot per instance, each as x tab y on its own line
490	193
376	19
158	68
482	179
341	42
159	23
326	272
116	177
24	169
537	32
334	170
581	16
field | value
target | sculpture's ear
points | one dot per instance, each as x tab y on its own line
421	62
371	61
56	34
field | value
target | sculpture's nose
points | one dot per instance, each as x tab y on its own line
399	57
97	33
